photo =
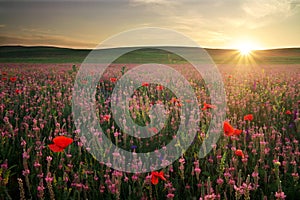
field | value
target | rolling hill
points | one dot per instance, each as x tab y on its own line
44	54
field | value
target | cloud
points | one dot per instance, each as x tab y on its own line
43	40
260	13
159	2
216	36
2	25
259	9
295	4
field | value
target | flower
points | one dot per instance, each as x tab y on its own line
13	79
60	143
239	153
106	118
208	106
174	100
159	87
276	163
113	80
248	117
155	176
288	112
280	195
237	132
228	129
153	129
170	196
18	91
145	84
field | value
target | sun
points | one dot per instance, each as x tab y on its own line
245	49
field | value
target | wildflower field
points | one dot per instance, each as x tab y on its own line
256	157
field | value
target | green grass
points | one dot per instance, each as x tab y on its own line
19	54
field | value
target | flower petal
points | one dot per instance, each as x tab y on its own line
62	141
228	129
237	132
161	176
55	148
154	180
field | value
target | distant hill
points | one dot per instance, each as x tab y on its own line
43	54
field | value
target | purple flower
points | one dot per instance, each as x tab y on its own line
295	114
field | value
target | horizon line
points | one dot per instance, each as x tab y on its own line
90	49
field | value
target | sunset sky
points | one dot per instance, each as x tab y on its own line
263	24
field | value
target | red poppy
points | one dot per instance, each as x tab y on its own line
106	117
145	84
237	132
174	100
159	87
155	176
248	117
4	73
208	106
228	129
60	143
288	112
13	79
4	79
239	153
18	91
113	80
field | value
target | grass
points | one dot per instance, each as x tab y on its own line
19	54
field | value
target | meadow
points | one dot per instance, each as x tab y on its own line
256	157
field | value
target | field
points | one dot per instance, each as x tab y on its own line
256	157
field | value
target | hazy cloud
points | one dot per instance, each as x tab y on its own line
261	12
44	40
150	1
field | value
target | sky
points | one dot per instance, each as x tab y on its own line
261	24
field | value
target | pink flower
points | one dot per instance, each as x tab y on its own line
170	196
280	195
197	170
182	160
40	188
220	181
255	174
48	178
